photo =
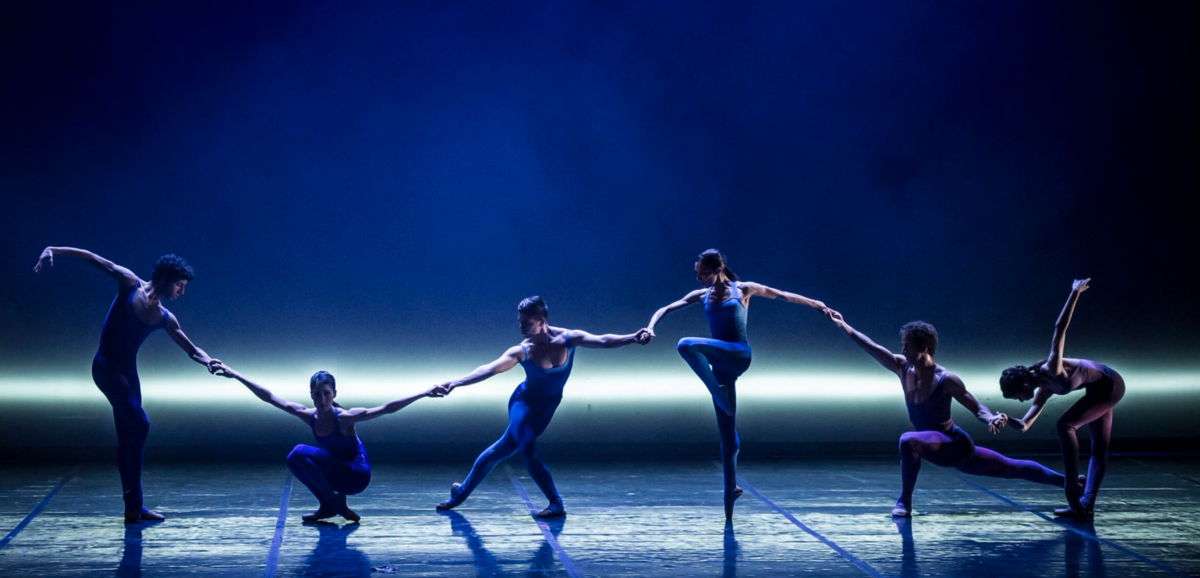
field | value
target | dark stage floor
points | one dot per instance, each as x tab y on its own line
798	518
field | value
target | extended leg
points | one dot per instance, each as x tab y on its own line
499	451
986	462
729	452
122	389
1091	407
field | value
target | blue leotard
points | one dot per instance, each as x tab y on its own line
338	466
530	409
114	370
718	362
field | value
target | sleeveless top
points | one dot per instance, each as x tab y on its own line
1085	372
545	383
727	319
337	444
933	414
123	332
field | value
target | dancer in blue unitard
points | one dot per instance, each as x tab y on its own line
135	313
720	360
928	389
1103	388
546	354
339	467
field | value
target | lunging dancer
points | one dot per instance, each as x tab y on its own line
720	360
135	313
1103	388
928	389
339	467
546	354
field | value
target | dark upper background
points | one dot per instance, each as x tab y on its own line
390	178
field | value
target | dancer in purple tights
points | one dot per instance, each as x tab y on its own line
135	313
928	389
339	467
1103	388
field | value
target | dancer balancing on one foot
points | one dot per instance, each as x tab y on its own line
1103	388
720	360
546	354
339	467
135	313
928	389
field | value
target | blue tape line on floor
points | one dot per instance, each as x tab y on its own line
38	508
848	556
1085	534
550	539
280	522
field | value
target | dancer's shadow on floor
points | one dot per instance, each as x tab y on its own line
1082	556
731	550
332	556
486	564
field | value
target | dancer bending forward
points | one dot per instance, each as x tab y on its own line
135	313
1103	388
339	467
719	361
928	389
546	354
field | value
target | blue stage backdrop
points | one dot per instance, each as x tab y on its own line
371	188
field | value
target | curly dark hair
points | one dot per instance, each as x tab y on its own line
1017	380
921	335
171	268
534	307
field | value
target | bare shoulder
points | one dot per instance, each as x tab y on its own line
952	382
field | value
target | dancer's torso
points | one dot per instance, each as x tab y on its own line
727	318
336	443
541	382
1080	372
930	412
124	332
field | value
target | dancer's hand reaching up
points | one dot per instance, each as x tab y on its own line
1079	286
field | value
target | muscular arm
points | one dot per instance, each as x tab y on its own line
689	299
579	338
264	394
1055	362
363	414
1035	409
198	355
892	362
958	390
124	277
500	365
757	289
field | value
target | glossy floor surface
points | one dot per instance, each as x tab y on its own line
808	517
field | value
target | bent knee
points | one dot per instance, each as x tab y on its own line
1063	426
298	453
685	346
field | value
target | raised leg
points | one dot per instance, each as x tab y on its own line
708	357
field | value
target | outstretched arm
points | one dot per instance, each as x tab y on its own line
264	394
363	414
500	365
1055	362
689	299
1035	409
760	290
894	363
579	338
198	355
124	277
957	389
